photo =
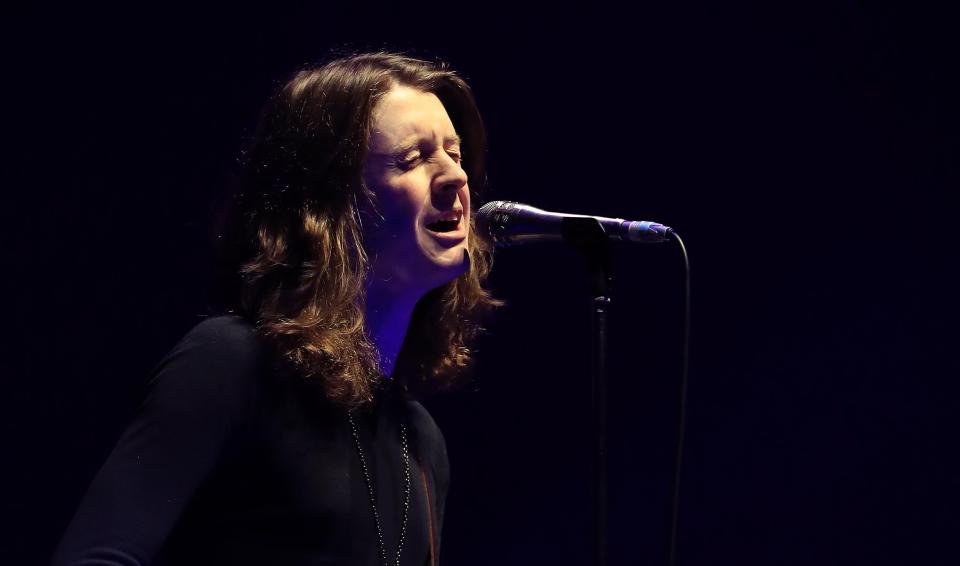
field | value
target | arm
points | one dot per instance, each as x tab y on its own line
194	408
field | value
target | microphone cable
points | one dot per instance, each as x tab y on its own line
682	408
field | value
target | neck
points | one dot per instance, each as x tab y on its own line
388	314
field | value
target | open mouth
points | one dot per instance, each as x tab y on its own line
448	222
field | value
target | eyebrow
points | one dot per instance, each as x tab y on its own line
413	141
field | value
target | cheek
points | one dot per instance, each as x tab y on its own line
400	206
465	201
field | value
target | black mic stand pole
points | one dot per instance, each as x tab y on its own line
586	235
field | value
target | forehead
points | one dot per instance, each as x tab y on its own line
406	115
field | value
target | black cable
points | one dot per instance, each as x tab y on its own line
682	416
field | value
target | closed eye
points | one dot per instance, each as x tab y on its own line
408	162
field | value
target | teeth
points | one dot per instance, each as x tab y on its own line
450	217
444	221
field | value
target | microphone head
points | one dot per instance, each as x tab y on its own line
489	221
483	215
505	223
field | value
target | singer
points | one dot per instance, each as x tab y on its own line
285	428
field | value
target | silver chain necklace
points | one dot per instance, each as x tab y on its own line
373	497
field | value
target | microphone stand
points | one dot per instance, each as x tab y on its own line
586	235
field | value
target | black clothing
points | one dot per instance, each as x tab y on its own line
227	463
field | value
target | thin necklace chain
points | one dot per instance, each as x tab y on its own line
373	497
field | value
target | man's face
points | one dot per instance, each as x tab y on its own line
413	167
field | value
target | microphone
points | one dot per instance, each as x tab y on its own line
506	223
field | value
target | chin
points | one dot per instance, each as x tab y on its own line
452	264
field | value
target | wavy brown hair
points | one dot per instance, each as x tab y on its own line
292	254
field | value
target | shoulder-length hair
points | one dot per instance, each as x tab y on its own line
291	250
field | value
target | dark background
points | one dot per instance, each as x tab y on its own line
807	153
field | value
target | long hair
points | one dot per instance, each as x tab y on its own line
292	259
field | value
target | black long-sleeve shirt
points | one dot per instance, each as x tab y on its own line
224	464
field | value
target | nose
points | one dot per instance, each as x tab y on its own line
452	178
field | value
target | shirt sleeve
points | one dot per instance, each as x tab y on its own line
194	409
